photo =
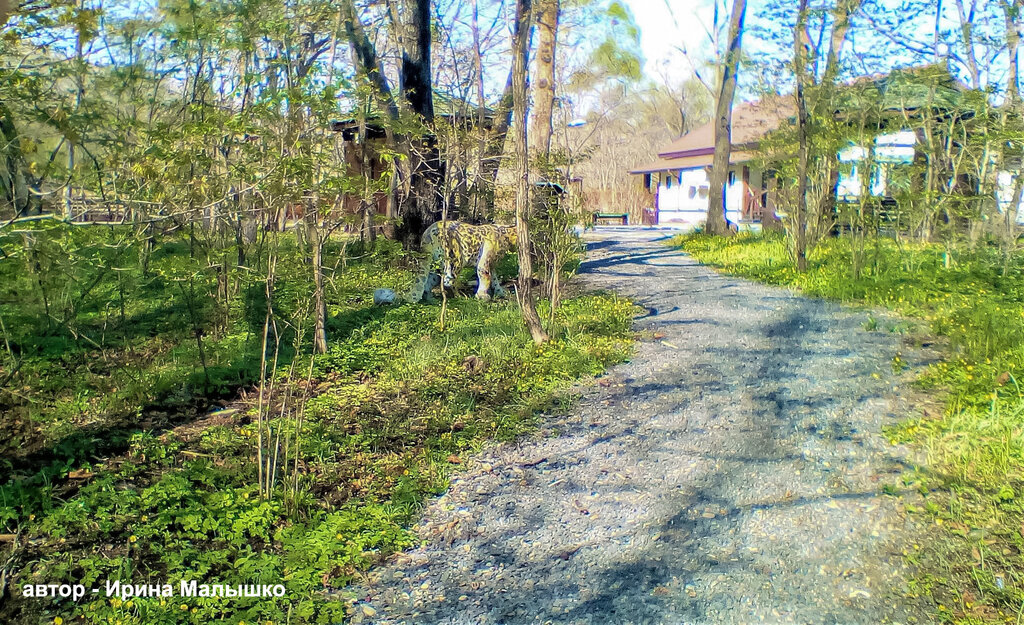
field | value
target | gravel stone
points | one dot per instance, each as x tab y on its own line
730	473
384	297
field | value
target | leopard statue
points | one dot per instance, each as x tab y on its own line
458	246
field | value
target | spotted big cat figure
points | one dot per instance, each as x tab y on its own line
461	245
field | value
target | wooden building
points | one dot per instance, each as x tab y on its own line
364	140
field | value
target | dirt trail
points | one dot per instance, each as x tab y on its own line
731	473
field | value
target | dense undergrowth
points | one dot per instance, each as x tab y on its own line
975	489
116	464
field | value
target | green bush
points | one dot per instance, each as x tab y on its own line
118	475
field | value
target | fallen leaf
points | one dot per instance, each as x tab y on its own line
80	474
567	553
454	459
473	364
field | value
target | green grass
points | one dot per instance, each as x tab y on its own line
117	473
974	490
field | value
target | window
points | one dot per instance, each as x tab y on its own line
703	192
693	192
668	182
732	176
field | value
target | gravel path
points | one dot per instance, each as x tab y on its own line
731	473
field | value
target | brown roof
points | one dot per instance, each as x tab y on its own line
702	138
689	162
751	121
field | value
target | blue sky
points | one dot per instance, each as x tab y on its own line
668	26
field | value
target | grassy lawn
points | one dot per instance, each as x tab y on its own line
975	571
130	395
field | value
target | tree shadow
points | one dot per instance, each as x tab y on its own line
666	573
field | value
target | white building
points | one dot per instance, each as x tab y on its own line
679	179
1004	194
891	150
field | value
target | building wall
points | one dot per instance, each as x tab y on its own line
896	150
682	196
1004	195
891	150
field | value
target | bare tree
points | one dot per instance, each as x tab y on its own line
524	292
1012	20
418	94
814	101
716	223
1012	17
413	27
800	54
546	19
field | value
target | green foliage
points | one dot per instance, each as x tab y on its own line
120	472
975	567
616	54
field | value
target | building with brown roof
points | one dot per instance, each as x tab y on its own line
679	178
896	104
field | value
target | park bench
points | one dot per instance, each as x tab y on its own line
623	216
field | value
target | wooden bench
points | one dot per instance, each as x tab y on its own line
623	216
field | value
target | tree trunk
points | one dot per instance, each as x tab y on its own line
716	222
503	114
546	19
391	209
79	93
479	187
319	304
416	82
524	292
367	205
799	219
16	181
840	27
418	95
543	85
366	60
417	91
1011	14
967	34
